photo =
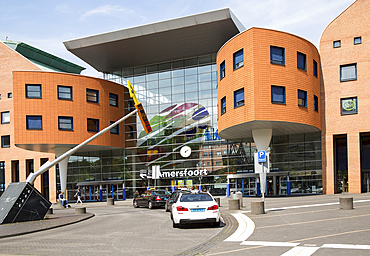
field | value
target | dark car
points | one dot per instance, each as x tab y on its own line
151	199
172	198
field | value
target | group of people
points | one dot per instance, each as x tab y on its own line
65	201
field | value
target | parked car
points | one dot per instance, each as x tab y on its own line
172	198
195	208
151	199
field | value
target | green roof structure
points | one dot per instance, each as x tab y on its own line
43	60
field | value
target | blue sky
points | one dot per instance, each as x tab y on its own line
46	24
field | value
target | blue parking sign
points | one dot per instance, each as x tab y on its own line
262	156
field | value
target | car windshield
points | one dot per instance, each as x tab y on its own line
195	198
161	192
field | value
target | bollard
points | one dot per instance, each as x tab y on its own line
257	208
110	201
218	201
80	210
239	195
50	211
234	204
60	205
346	203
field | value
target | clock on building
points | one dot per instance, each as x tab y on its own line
185	151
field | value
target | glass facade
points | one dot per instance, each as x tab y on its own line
180	100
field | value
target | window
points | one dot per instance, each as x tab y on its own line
33	91
65	123
218	153
205	154
130	131
301	61
92	95
115	129
348	106
92	125
223	105
357	40
277	55
64	92
336	44
277	94
239	98
5	141
348	72
302	98
34	122
314	68
130	105
315	103
5	117
222	70
238	59
113	99
10	95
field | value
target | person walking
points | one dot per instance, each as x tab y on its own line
78	195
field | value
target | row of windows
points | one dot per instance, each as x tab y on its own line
33	91
277	97
356	40
65	123
277	56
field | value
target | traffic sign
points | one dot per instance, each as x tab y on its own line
262	156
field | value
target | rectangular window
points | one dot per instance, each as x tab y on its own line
115	129
348	72
5	117
223	105
315	103
314	68
222	70
92	95
301	61
357	40
130	105
205	154
65	123
336	44
348	106
113	99
277	94
33	91
10	95
239	98
238	59
64	92
218	153
92	125
5	141
34	122
130	131
302	98
277	55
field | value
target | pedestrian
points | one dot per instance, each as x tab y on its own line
64	201
78	195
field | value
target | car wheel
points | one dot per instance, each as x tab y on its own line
135	204
150	205
174	225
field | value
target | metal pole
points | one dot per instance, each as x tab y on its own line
46	166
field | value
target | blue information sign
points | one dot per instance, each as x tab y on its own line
262	156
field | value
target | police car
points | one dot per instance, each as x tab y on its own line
190	208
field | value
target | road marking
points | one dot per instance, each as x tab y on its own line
301	251
265	243
244	230
347	246
306	206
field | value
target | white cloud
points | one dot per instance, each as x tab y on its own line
105	10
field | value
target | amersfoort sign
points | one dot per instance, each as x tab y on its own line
155	173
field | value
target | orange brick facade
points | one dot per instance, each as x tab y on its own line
258	74
353	22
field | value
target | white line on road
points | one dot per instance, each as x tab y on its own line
265	243
245	228
301	251
347	246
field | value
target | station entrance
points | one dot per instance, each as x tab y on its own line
277	183
101	190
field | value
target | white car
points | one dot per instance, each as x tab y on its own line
195	208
